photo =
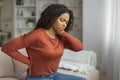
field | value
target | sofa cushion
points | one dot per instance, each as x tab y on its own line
94	75
6	65
20	68
8	78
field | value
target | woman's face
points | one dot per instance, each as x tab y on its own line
61	23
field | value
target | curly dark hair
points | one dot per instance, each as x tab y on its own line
51	13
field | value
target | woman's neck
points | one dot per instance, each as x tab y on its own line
51	33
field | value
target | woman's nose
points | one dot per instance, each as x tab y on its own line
64	25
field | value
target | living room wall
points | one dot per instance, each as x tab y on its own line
93	26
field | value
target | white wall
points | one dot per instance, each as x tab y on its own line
94	25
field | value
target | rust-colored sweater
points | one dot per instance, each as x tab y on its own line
44	52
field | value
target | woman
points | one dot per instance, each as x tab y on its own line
45	44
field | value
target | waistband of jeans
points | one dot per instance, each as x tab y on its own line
42	76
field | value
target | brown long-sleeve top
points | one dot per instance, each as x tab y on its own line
44	52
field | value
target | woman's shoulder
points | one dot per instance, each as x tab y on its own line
33	36
40	30
35	32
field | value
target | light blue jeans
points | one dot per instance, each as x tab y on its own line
55	76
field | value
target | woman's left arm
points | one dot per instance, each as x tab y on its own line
71	42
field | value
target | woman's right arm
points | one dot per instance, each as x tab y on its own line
11	48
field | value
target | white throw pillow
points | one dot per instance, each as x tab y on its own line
83	56
83	61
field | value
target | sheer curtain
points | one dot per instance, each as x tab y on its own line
111	47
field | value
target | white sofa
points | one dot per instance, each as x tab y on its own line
11	69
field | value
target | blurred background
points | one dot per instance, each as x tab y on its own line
97	25
18	17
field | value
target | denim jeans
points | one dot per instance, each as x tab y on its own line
55	76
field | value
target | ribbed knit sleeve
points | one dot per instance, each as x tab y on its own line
71	42
11	49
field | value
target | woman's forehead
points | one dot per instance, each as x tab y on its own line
65	16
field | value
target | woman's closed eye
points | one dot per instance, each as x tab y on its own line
63	20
